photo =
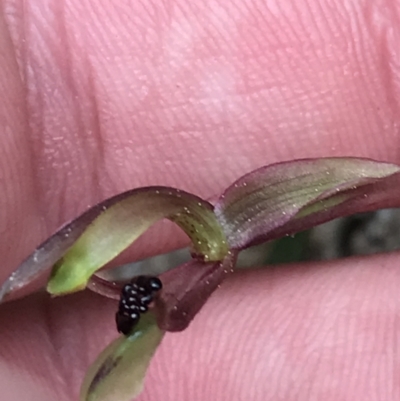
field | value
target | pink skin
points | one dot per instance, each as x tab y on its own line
194	95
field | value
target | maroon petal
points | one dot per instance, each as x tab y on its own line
287	197
187	288
86	244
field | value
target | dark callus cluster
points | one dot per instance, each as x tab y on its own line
135	299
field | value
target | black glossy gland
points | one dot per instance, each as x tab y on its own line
126	322
155	284
127	289
148	283
146	299
135	299
143	308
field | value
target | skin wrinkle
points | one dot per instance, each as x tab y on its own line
380	18
62	35
45	363
88	117
60	343
395	356
61	375
375	20
99	153
307	107
38	116
39	121
58	336
318	379
26	386
15	173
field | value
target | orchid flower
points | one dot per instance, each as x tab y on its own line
266	204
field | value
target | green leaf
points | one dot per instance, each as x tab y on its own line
119	371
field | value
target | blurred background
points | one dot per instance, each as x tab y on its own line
360	234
